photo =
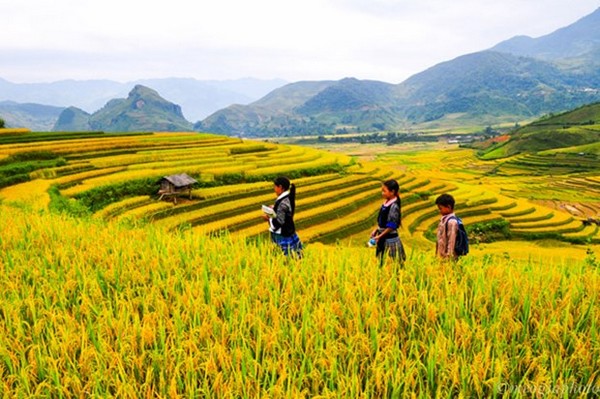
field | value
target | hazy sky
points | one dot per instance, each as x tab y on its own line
387	40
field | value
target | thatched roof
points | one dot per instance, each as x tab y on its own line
181	180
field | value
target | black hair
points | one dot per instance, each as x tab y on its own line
445	200
393	186
284	182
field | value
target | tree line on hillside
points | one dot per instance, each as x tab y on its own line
392	138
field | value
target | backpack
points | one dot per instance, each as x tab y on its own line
461	246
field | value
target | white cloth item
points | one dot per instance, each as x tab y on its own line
390	201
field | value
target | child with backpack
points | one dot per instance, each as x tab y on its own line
452	240
385	235
281	218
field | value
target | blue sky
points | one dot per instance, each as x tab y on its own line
385	40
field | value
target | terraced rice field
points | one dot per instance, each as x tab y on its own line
540	197
115	178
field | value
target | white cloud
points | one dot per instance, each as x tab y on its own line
311	39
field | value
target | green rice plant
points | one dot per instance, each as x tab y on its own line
70	179
556	222
53	172
97	198
589	231
144	211
541	216
121	206
525	209
503	207
414	186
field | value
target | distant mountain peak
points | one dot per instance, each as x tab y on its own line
72	119
142	91
143	110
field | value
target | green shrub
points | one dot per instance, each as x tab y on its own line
229	178
33	156
17	167
247	149
60	204
490	231
6	181
99	197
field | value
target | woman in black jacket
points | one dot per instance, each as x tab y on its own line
389	220
281	224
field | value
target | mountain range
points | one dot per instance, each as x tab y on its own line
520	78
30	115
575	47
197	98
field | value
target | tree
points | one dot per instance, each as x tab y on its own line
392	138
1	123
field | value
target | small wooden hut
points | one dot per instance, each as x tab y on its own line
174	185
